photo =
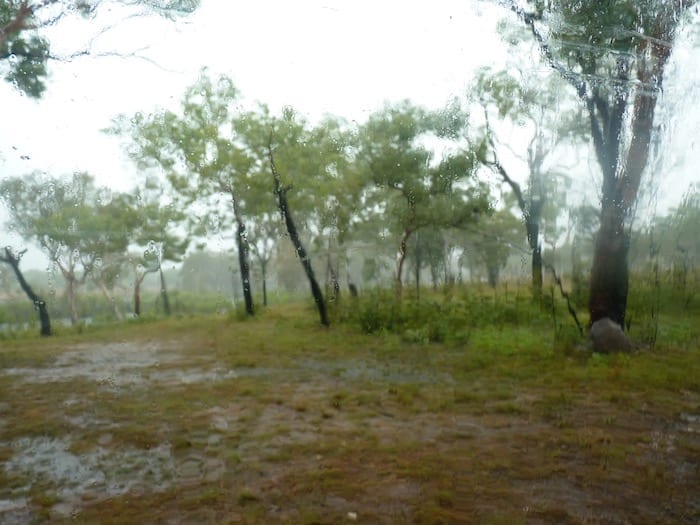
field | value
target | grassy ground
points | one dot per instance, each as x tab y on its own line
275	420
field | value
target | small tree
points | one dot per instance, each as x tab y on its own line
407	188
69	221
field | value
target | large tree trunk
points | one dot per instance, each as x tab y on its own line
13	260
610	275
621	181
296	240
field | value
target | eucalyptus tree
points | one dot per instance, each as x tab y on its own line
615	55
308	166
203	161
70	222
408	188
294	158
533	105
25	51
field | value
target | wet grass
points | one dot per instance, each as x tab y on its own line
277	420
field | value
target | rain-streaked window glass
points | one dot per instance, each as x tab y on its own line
334	261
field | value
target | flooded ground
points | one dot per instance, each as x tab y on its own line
114	432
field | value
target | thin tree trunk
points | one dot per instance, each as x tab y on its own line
110	299
164	292
537	273
263	270
243	254
137	295
332	278
245	267
403	248
13	260
72	299
296	241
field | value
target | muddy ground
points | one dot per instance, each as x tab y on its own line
155	432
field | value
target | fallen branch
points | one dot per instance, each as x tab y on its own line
566	296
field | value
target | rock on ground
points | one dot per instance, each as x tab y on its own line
607	337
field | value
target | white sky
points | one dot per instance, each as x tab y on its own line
344	57
341	57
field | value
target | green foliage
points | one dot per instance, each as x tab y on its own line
492	241
451	318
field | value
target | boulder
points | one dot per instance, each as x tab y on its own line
607	337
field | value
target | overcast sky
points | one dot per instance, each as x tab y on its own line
321	56
341	57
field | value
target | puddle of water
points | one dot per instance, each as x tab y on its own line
116	365
691	422
100	472
110	363
15	511
189	376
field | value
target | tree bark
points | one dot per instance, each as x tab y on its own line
244	265
263	271
403	249
610	274
537	273
332	280
243	254
137	295
138	280
164	292
283	205
72	299
13	260
112	302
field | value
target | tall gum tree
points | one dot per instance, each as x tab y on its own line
201	157
289	149
615	55
294	158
